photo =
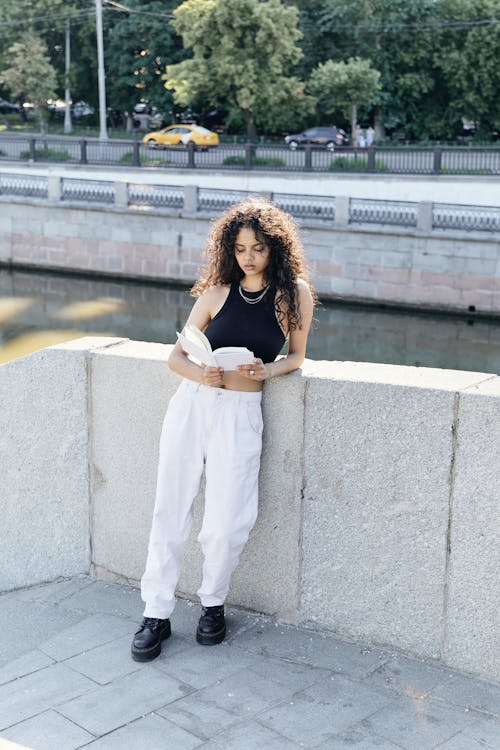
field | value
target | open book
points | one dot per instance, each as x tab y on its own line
195	343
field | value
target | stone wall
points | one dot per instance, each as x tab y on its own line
438	269
379	492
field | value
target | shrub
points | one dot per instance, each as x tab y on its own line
46	154
128	158
356	164
257	161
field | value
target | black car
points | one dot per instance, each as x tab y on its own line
329	138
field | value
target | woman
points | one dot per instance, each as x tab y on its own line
253	293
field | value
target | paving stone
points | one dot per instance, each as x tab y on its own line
34	693
406	676
460	742
55	592
47	731
103	597
328	707
418	723
200	666
200	715
485	731
469	692
249	736
245	692
126	698
309	647
87	634
357	739
105	663
32	622
30	662
149	733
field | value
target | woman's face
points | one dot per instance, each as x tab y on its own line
252	255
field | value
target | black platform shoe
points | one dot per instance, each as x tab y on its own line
212	626
147	641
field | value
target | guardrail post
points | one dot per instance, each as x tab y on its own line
308	158
191	147
437	160
32	146
121	194
249	152
190	199
342	203
136	158
54	188
424	216
371	159
83	151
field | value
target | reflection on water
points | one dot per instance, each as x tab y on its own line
40	309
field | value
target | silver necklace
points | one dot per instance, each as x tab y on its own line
253	300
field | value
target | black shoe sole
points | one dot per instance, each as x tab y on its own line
148	654
211	639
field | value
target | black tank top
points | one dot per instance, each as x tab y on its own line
255	326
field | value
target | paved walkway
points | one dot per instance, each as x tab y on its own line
67	681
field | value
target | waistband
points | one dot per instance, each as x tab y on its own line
222	394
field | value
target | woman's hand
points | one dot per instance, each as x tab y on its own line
212	376
257	371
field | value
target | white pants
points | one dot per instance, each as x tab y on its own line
222	430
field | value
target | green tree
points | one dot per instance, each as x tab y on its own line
242	52
471	63
31	76
345	86
140	46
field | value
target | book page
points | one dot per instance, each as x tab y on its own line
196	351
233	356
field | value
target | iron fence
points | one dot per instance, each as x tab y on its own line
28	186
481	218
88	191
160	196
231	156
326	209
399	213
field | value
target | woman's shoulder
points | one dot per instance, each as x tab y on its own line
214	297
216	292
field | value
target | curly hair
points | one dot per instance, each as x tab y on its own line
279	232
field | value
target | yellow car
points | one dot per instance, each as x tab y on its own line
181	135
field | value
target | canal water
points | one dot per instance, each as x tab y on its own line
39	308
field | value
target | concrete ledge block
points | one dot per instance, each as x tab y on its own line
43	454
376	507
128	404
473	611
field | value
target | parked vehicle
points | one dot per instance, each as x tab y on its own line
7	107
181	135
327	137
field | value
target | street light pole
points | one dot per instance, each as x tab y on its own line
103	134
67	96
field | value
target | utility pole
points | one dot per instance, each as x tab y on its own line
67	98
103	134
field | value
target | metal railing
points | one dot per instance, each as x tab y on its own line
327	210
383	159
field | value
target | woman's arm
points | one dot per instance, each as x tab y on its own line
200	316
296	345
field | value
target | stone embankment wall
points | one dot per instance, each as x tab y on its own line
425	268
379	492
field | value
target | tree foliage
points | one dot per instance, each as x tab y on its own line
437	59
140	46
30	76
345	86
242	54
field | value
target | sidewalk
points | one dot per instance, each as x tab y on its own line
67	681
